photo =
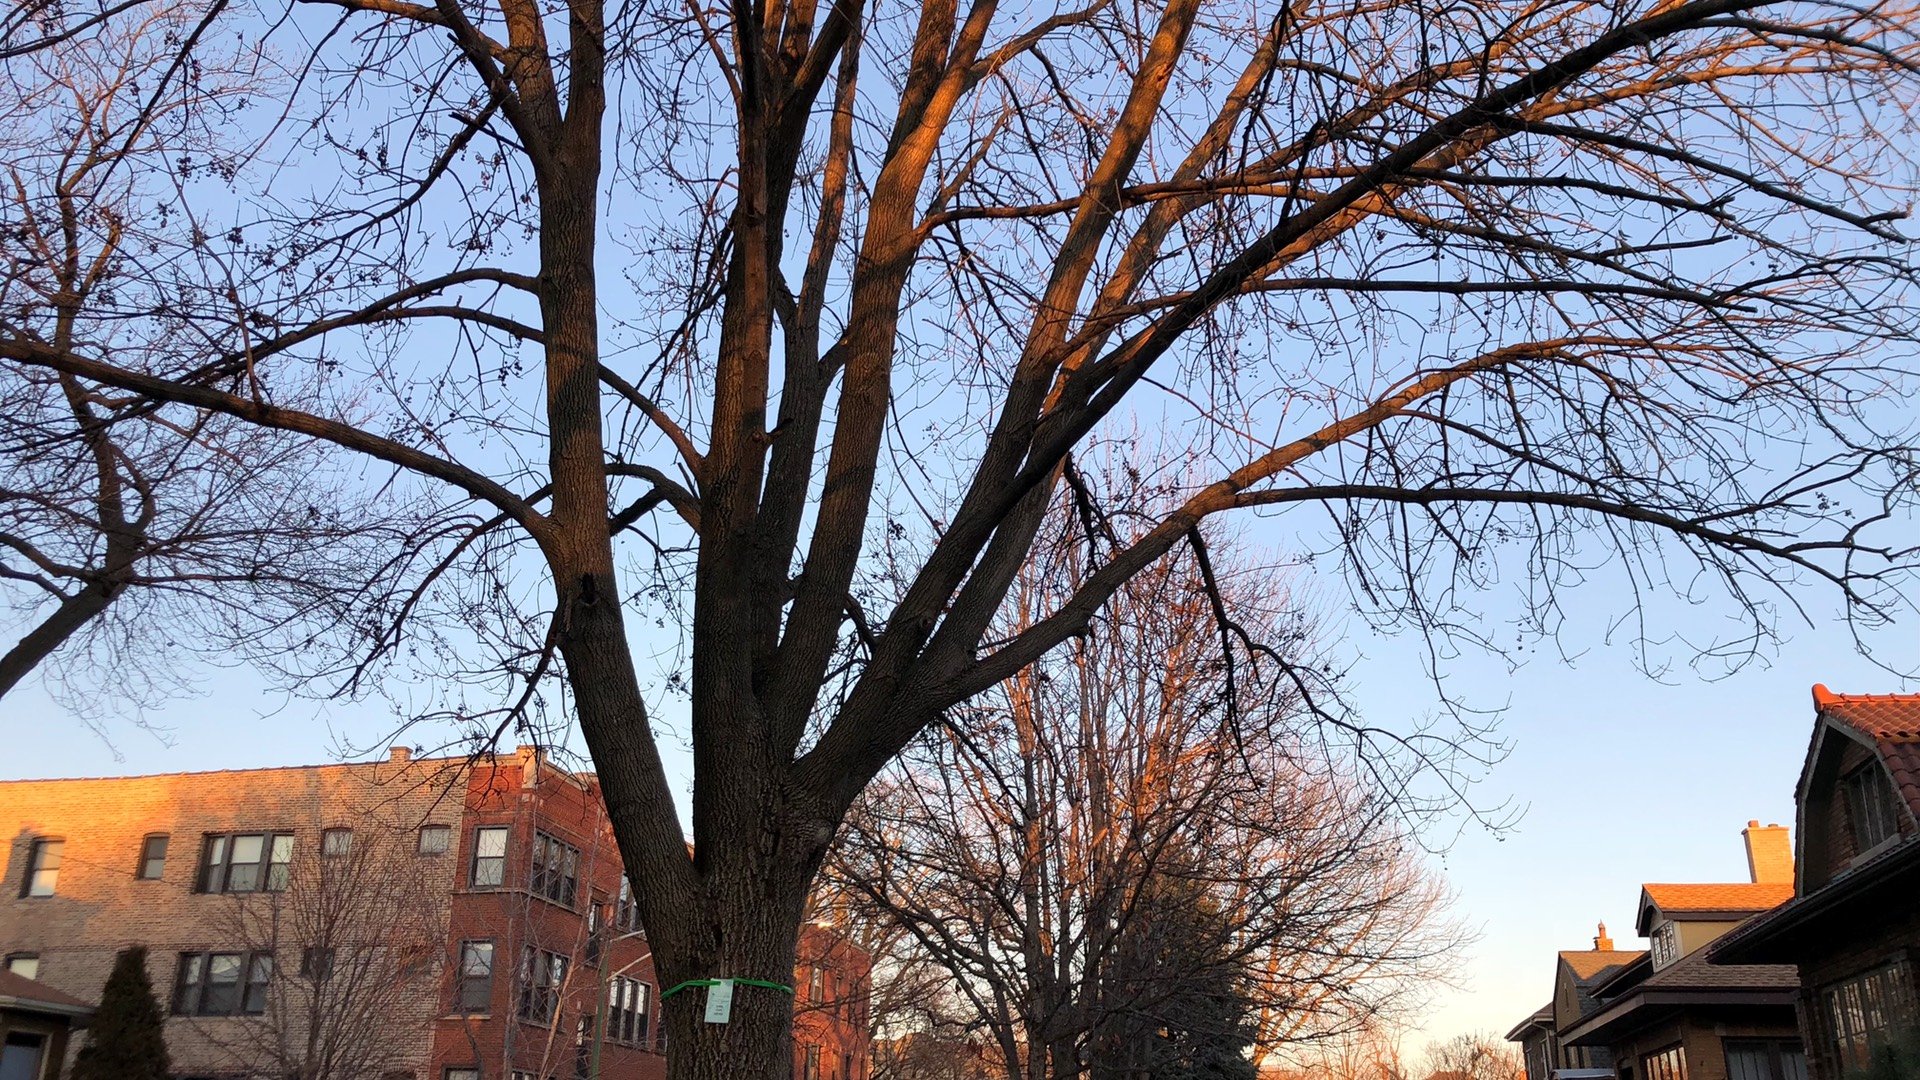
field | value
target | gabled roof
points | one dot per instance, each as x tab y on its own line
1734	900
1890	723
1588	969
31	995
1589	965
1540	1017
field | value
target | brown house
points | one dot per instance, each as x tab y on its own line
35	1021
514	946
1852	930
1664	1013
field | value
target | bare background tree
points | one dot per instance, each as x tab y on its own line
1480	294
356	939
1133	851
132	539
1478	1055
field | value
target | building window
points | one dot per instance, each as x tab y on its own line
336	842
222	984
245	862
24	964
434	839
316	963
475	994
1668	1064
626	911
1765	1059
556	869
43	867
542	973
1867	1011
489	856
1666	944
811	1068
462	1074
627	1009
816	982
596	930
1870	804
153	857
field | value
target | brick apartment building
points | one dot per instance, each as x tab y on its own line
412	919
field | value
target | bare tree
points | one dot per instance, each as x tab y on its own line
1474	1056
1131	838
1501	289
353	942
130	535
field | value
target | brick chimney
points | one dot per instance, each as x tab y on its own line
1601	942
399	755
1769	853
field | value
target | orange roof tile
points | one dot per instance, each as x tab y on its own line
1891	722
1742	896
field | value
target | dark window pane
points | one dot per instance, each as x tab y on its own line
153	857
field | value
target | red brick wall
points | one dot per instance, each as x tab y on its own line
830	1007
530	800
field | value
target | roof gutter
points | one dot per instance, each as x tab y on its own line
1740	945
48	1008
1589	1030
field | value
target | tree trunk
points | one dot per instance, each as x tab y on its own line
761	932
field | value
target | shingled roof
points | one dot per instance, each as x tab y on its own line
1694	972
19	992
1590	968
1891	722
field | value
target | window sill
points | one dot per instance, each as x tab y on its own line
1876	850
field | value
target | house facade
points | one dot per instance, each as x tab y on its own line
1664	1013
471	912
1851	932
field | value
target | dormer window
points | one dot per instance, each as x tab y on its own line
1871	807
1666	944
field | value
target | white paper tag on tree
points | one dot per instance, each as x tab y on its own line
720	1002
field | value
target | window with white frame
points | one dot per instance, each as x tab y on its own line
489	856
1666	944
435	839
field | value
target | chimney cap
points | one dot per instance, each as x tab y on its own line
1753	823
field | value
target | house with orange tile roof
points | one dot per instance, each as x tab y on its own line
1664	1013
1852	928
